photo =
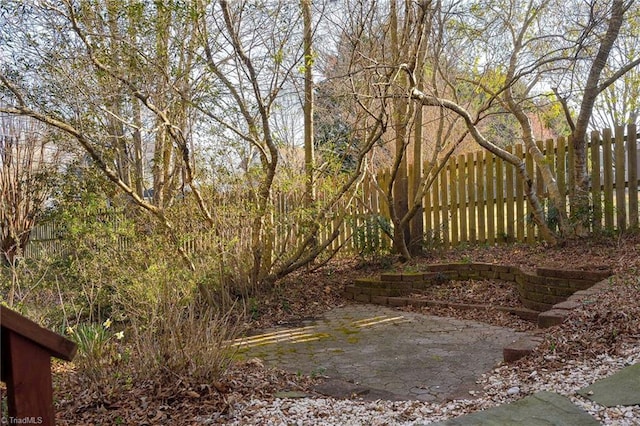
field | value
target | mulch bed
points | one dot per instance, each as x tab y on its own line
481	292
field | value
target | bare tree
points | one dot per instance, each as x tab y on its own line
29	162
598	40
524	46
160	84
372	40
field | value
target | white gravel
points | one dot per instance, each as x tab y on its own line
499	387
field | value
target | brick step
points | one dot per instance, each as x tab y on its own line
520	348
410	276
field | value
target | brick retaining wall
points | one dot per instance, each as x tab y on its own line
548	295
538	291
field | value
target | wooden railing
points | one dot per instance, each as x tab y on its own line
26	350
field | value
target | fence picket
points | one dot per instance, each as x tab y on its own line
620	177
596	182
500	204
481	198
510	199
444	203
437	233
427	213
520	218
633	159
530	225
471	191
571	178
607	170
462	197
561	167
453	191
490	197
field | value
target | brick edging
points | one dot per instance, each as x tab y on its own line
540	291
560	311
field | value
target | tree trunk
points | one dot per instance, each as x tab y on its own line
538	213
538	158
580	193
399	190
309	159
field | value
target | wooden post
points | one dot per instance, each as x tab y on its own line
571	178
438	232
427	213
453	188
26	355
561	173
416	224
445	208
531	229
550	155
500	201
462	197
29	379
540	189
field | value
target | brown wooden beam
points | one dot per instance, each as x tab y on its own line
28	378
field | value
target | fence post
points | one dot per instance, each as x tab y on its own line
438	232
531	230
445	207
561	170
550	155
490	197
500	205
427	210
571	178
596	183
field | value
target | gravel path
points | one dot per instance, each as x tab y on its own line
504	384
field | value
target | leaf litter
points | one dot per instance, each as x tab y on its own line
596	340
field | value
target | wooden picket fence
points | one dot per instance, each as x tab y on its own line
477	198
